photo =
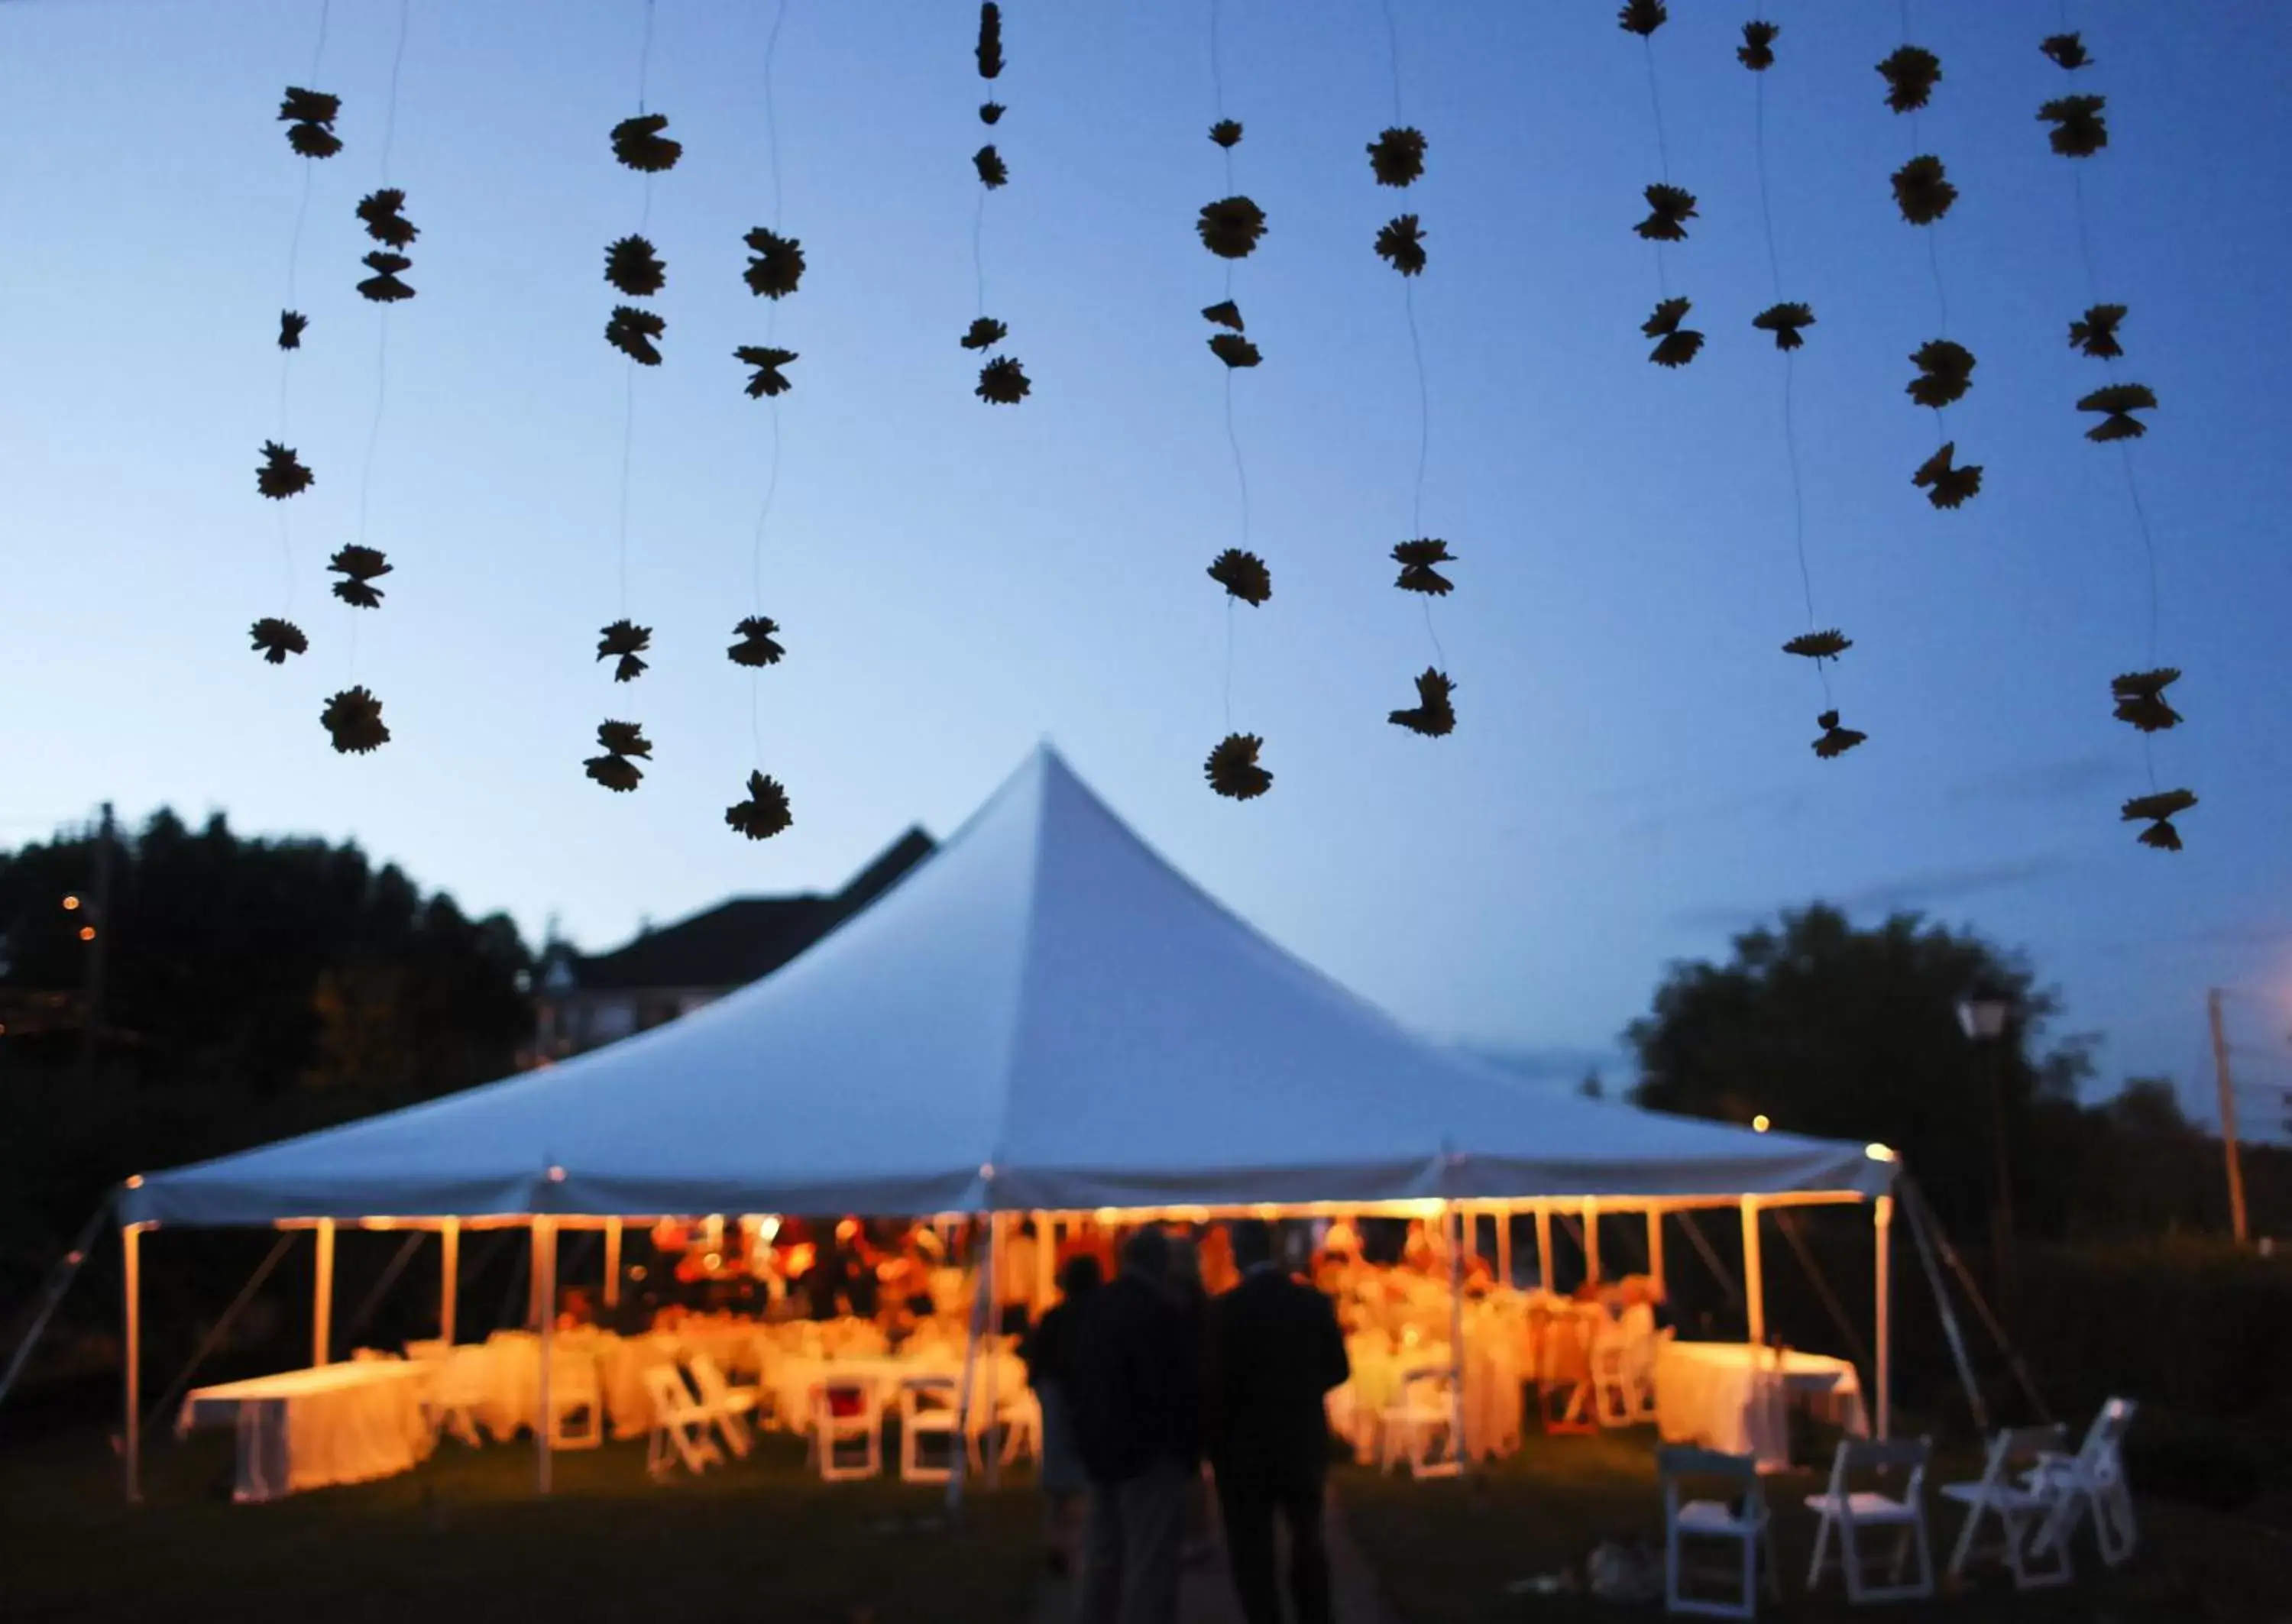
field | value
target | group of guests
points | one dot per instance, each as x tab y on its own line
1145	1378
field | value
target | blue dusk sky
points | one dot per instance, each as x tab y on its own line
1630	780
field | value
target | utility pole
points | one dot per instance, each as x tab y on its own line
99	943
2227	1117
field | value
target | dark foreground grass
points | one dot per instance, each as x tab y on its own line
464	1539
1446	1552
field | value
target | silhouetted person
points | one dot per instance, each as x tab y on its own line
1050	1352
1136	1412
1277	1353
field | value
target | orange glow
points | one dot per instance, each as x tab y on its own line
847	1229
87	933
1759	1123
71	902
801	1256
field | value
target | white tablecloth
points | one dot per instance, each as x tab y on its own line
793	1376
305	1430
1731	1396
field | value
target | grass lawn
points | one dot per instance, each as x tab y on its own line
1445	1551
465	1538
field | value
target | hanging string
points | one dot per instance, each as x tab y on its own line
772	333
1662	156
1933	244
629	366
1415	349
287	356
1232	437
382	324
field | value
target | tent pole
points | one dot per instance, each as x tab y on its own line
1654	1247
1457	1333
1503	1244
131	1238
545	1282
1755	1283
1046	1261
1592	1239
1548	1280
449	1278
1883	1226
998	1230
612	1263
322	1303
981	1297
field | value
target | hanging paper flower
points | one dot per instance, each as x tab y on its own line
639	143
1230	226
991	112
2160	809
1757	51
282	474
1397	156
1226	132
1676	346
1243	574
1642	17
1945	373
623	640
777	265
1400	243
2078	131
1226	313
2067	49
1819	646
2096	335
1003	381
385	286
360	568
1232	768
2119	401
1416	560
615	769
755	647
992	170
353	717
309	116
1921	192
1784	321
985	333
2140	698
624	738
990	41
1432	715
385	221
275	639
1947	487
765	812
1234	349
631	266
1836	740
1670	206
618	774
631	331
766	382
291	326
1911	73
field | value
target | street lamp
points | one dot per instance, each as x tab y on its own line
1983	1017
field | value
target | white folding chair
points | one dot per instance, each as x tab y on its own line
679	1427
1851	1513
456	1387
844	1413
726	1405
2092	1482
1419	1426
576	1401
1022	1428
930	1408
1645	1350
2021	1511
1618	1396
1740	1519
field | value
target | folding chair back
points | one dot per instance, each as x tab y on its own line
679	1427
844	1413
1740	1518
577	1400
725	1404
930	1408
1420	1425
2092	1482
1875	1488
2008	1495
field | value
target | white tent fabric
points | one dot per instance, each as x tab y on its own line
1043	1014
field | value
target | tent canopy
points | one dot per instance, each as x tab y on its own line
1044	1015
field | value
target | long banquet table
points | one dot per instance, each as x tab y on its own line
305	1429
1737	1397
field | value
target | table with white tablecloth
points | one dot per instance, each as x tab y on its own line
793	1376
1735	1397
305	1429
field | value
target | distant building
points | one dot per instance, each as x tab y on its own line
581	1002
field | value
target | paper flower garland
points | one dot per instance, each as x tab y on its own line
1836	740
631	331
2067	50
1243	574
2119	401
1676	346
1923	192
384	214
385	286
282	475
1911	73
1432	715
765	812
623	640
1400	243
309	116
2078	131
292	325
1397	156
617	769
756	647
354	718
2160	809
990	41
1226	132
639	143
1784	321
360	568
1670	208
2140	698
1947	487
631	266
1757	51
1003	381
766	382
985	333
1234	349
992	170
1232	767
1945	373
275	639
1819	646
1226	313
991	112
2096	335
776	265
1230	226
1642	17
1416	560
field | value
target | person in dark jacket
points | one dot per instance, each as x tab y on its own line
1049	1351
1277	1353
1135	1406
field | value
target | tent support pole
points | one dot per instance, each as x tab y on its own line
1548	1280
322	1302
982	1298
1046	1261
1456	1223
612	1263
1655	1249
449	1278
545	1282
1882	1222
1503	1244
1755	1279
1592	1239
998	1230
131	1249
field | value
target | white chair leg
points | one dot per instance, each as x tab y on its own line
1964	1549
1850	1558
1822	1550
